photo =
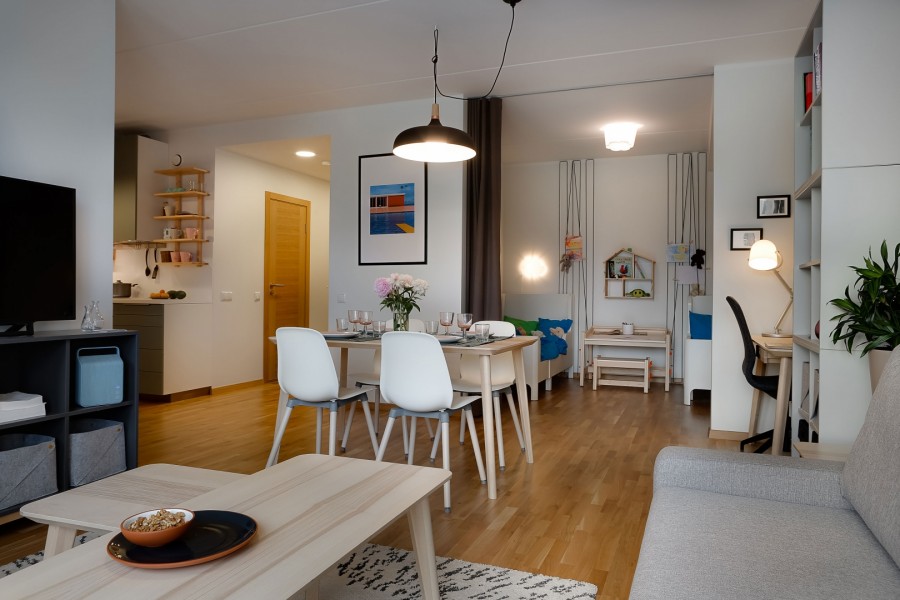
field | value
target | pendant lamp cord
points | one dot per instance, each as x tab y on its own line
434	61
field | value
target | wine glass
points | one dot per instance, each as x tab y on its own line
464	321
446	320
353	317
365	319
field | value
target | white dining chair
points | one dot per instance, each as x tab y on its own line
307	377
416	381
373	378
503	376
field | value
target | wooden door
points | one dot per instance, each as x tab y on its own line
286	271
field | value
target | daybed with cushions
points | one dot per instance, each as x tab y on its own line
750	526
550	316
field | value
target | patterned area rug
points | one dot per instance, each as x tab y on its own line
380	573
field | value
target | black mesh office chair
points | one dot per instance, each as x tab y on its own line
767	384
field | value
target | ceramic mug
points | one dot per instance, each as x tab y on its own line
191	233
185	257
627	328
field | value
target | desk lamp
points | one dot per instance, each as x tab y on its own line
764	256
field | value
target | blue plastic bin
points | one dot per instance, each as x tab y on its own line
99	376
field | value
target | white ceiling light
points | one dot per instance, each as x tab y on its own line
305	153
620	136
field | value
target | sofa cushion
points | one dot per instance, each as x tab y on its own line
703	545
873	468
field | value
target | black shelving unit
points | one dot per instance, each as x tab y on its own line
45	364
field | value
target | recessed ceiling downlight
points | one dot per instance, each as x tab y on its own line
305	153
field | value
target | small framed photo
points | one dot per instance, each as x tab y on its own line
743	239
773	207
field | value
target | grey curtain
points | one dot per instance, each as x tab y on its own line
482	273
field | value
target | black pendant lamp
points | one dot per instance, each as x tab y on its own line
436	142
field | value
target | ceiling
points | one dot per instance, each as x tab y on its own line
571	66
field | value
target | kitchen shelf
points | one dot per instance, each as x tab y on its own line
810	343
183	264
182	194
197	195
181	217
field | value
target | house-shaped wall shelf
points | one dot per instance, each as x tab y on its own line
629	275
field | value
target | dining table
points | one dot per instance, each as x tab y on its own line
485	351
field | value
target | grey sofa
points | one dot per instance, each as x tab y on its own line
730	525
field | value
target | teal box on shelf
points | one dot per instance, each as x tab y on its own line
99	376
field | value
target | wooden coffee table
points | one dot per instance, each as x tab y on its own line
102	505
311	511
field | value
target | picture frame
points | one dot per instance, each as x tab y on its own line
743	238
393	211
773	207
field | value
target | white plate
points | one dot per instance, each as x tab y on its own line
340	335
447	339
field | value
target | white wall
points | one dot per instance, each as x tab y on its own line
56	120
239	230
753	129
354	132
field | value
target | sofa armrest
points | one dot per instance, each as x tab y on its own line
779	478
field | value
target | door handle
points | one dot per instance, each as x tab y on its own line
272	287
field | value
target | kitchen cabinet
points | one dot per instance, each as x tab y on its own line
175	338
189	185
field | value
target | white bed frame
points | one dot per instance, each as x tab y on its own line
547	306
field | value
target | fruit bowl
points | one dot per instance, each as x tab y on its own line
157	527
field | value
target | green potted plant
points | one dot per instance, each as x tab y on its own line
872	311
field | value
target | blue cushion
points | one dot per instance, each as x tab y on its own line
701	326
551	344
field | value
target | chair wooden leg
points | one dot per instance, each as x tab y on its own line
405	436
434	444
476	445
412	439
318	431
445	447
379	456
332	429
498	425
347	427
279	433
372	437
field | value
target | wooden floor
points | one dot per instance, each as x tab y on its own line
578	512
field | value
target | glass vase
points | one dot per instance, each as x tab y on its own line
86	323
401	321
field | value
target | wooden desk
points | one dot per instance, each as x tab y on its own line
837	452
486	351
773	350
644	337
311	511
103	504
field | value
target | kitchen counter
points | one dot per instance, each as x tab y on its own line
175	345
134	300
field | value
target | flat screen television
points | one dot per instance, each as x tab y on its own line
37	254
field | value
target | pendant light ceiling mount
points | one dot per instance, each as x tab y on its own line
436	142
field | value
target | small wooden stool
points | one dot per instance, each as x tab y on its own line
622	363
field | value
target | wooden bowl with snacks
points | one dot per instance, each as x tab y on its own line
157	527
